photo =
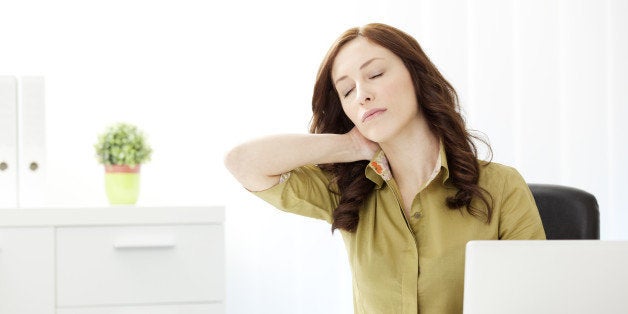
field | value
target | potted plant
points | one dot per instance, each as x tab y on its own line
122	148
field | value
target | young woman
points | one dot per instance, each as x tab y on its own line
391	165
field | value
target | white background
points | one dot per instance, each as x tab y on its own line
545	80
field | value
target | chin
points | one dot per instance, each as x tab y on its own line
377	135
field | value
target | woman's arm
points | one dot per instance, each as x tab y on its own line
259	163
519	218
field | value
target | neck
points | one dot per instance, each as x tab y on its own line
412	154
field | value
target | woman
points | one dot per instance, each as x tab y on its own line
390	164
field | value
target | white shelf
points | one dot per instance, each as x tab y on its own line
115	215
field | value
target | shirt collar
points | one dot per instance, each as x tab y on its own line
378	169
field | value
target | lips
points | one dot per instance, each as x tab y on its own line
372	113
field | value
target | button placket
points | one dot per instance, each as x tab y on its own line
416	207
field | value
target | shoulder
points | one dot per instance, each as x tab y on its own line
497	177
514	208
496	171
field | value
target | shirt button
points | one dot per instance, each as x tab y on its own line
417	215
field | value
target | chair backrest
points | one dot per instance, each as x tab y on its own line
566	212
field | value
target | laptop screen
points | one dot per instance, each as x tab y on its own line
556	276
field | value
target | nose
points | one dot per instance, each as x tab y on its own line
364	95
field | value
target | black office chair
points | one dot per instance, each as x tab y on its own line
566	212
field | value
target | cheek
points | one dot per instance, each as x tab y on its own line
403	84
349	112
407	94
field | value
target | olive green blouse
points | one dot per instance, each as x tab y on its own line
412	263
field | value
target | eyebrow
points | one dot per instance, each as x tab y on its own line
361	67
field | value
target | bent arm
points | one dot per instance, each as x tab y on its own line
259	163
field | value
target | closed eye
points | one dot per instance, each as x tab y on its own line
348	92
377	75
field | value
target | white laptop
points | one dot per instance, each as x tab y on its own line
555	276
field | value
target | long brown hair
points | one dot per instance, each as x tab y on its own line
438	102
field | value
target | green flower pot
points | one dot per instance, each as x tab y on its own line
122	184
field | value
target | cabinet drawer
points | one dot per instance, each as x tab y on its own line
26	270
140	265
157	309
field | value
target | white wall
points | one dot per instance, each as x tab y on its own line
546	81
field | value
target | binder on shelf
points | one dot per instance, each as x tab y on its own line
8	142
31	143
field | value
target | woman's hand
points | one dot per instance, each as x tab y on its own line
365	148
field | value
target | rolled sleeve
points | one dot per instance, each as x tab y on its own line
305	191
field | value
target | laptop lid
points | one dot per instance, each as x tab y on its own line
556	276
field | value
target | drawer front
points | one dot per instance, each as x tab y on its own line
217	308
140	265
27	270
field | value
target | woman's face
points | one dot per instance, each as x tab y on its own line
375	89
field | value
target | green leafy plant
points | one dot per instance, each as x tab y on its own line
122	144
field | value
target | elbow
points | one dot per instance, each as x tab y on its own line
240	161
233	161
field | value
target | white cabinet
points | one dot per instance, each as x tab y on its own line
112	260
27	270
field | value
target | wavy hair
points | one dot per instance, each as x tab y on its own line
437	101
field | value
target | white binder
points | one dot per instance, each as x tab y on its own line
32	143
8	142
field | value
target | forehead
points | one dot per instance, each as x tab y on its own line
354	53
